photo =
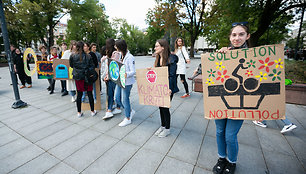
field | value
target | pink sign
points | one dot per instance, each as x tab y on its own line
151	76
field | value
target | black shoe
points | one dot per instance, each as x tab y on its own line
49	88
230	168
219	167
64	93
51	92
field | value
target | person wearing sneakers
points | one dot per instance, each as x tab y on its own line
165	58
129	61
228	129
71	83
289	126
19	69
81	62
110	85
181	52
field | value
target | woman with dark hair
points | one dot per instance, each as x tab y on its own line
183	58
19	69
110	52
82	62
228	129
165	58
129	61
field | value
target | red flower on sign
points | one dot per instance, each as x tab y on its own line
222	76
249	73
265	64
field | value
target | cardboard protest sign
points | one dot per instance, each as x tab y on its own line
44	69
61	69
25	61
116	72
244	83
153	87
86	106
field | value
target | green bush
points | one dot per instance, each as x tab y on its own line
295	71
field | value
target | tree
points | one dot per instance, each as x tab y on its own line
267	19
89	23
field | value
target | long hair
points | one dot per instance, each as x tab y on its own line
122	47
110	47
103	51
80	50
165	54
72	43
176	45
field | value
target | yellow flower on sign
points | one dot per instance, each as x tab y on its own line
209	81
262	76
279	63
220	66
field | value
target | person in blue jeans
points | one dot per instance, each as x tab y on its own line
129	61
228	129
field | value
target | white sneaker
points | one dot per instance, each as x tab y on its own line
258	123
159	130
125	122
94	113
108	115
288	128
80	114
73	98
116	111
164	133
132	114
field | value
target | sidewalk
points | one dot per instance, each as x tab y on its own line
47	137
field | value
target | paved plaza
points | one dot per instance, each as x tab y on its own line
48	137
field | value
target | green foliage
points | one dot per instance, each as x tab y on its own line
295	71
138	43
89	23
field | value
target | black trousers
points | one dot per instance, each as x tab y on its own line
63	84
79	102
165	115
23	77
183	79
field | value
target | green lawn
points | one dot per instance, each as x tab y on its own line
295	71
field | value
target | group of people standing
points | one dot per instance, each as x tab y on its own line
82	57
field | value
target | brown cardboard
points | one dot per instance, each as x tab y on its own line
229	83
86	106
153	87
64	63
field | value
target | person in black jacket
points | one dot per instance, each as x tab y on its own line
81	62
19	69
165	58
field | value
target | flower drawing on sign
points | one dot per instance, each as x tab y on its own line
222	76
209	81
261	76
220	66
249	73
275	75
211	73
251	63
265	64
279	63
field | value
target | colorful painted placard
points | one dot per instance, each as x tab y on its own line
244	83
153	87
44	69
61	69
25	61
116	72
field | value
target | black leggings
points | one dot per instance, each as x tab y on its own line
165	115
183	79
91	100
23	77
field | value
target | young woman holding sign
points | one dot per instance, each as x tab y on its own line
182	54
165	58
227	129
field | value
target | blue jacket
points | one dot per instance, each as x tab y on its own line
172	73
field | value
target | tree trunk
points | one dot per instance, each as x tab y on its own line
192	41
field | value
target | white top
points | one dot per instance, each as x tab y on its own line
181	65
129	62
66	54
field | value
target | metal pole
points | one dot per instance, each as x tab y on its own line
299	34
18	103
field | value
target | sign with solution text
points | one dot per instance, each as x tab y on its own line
245	83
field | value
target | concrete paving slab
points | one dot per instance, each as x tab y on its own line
179	119
106	125
89	153
196	123
13	147
208	154
8	137
187	146
172	165
120	132
62	168
73	144
247	131
35	118
144	160
198	170
38	165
